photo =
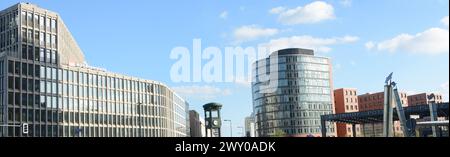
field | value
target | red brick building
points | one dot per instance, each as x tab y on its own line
346	101
421	99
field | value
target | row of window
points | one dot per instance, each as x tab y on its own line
38	21
24	69
8	20
263	70
8	38
77	131
351	107
39	54
52	116
296	107
350	93
303	130
38	38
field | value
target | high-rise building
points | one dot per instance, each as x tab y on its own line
46	82
375	101
197	125
346	101
291	103
250	129
422	99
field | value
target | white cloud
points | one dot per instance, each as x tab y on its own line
309	42
444	21
346	3
224	15
311	13
431	41
370	45
202	92
252	32
277	10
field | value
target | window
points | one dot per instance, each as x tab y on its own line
42	55
53	74
47	24
16	99
36	37
49	73
53	41
24	99
42	85
24	68
41	22
30	36
36	54
24	35
47	40
30	69
53	26
10	98
30	19
42	72
10	67
17	68
30	85
30	53
53	61
47	56
24	18
41	39
37	71
36	21
54	88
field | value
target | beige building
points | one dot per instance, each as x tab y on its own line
47	84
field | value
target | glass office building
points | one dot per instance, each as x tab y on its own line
302	94
46	83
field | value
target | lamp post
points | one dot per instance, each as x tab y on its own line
231	127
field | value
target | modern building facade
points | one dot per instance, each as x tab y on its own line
303	92
375	101
46	83
250	126
346	101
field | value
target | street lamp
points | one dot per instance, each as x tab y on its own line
231	127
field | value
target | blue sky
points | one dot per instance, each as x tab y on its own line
365	39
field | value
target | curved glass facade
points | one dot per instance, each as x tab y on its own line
303	93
